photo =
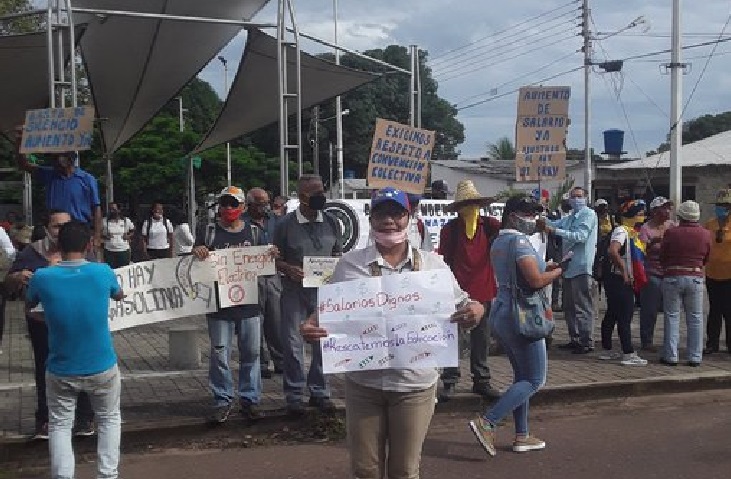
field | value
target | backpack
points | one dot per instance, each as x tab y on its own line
149	225
210	234
451	246
602	260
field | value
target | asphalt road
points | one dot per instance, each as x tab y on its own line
663	437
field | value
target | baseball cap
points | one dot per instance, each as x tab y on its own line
601	202
659	201
522	204
234	192
390	194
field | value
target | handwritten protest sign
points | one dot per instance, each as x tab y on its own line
162	290
236	271
540	133
400	157
394	321
57	130
318	271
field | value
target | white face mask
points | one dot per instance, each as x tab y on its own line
527	226
391	238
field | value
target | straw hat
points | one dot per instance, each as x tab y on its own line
467	193
724	196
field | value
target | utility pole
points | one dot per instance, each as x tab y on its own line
223	60
586	33
676	98
316	140
338	114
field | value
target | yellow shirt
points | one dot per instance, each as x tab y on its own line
605	226
719	261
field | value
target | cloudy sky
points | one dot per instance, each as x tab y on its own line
482	49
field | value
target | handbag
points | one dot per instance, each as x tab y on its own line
532	311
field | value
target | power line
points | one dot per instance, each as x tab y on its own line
507	29
546	25
699	57
496	97
686	47
544	67
460	72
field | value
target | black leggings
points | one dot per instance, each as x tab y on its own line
620	309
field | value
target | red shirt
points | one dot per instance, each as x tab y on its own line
685	250
471	263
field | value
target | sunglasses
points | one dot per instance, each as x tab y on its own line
228	202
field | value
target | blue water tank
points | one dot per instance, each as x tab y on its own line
614	142
349	174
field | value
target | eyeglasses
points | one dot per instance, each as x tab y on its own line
394	212
228	202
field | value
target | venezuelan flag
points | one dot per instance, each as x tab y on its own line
637	255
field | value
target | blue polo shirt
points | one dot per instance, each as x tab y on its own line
77	194
75	298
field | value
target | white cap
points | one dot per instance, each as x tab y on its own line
689	211
658	202
601	202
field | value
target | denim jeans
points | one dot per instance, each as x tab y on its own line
685	291
297	304
579	309
650	302
104	391
620	309
222	327
529	362
270	293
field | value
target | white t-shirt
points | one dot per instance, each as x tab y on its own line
116	229
158	234
183	239
619	234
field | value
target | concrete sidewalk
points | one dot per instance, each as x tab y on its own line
156	396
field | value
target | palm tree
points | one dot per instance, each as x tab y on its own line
502	150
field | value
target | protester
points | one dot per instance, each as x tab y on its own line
718	274
527	358
68	188
182	236
37	255
270	287
619	282
307	231
578	232
388	411
75	298
7	255
439	190
279	206
157	234
230	231
418	232
651	233
554	247
117	230
11	218
464	242
684	252
605	220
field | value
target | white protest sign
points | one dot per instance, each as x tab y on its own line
57	130
236	271
162	290
389	322
318	271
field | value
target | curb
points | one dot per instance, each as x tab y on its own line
146	434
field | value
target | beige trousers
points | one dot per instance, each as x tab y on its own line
386	430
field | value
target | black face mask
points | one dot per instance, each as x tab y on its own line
317	202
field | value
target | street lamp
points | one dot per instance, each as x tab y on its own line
316	146
223	60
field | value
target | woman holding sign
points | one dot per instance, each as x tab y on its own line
389	410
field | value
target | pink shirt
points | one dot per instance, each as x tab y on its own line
652	237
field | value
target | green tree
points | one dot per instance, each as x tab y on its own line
20	24
501	150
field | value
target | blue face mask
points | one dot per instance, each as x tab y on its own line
722	212
577	203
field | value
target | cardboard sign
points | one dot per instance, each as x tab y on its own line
236	272
400	157
162	290
318	271
394	321
540	133
57	130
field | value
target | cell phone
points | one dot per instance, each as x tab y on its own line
564	263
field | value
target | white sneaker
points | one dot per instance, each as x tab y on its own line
609	356
633	360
